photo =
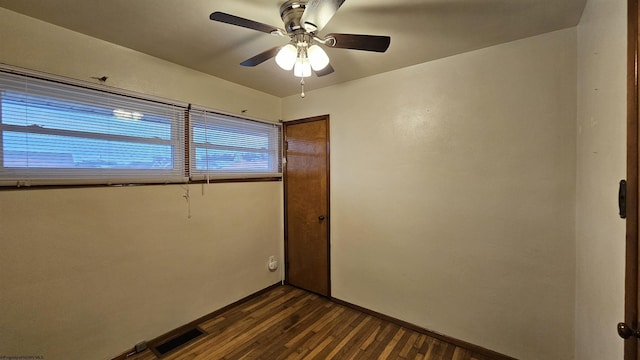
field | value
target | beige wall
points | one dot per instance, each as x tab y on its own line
453	194
600	233
87	273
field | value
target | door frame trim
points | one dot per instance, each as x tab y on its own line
631	241
284	181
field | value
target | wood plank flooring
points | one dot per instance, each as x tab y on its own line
289	323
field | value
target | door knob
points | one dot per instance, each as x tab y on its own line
321	217
626	332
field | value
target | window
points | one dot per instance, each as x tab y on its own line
224	146
59	132
54	133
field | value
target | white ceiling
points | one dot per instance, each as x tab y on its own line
421	30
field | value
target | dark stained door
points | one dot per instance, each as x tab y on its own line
306	177
633	185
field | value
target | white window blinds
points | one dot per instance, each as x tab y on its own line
55	133
223	146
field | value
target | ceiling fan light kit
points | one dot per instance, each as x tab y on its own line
302	21
301	57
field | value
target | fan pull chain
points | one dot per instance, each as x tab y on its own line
302	95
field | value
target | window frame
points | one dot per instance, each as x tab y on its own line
183	148
248	126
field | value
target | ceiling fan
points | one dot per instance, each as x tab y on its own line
303	19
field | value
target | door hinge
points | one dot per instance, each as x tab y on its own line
286	145
622	199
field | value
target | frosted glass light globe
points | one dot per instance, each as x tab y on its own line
302	68
318	57
286	57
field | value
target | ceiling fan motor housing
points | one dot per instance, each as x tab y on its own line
291	13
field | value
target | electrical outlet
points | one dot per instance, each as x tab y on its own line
273	263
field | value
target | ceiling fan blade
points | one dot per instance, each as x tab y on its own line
246	23
262	57
318	13
375	43
324	72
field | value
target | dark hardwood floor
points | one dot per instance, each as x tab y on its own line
289	323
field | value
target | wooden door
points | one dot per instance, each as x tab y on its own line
631	272
306	182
